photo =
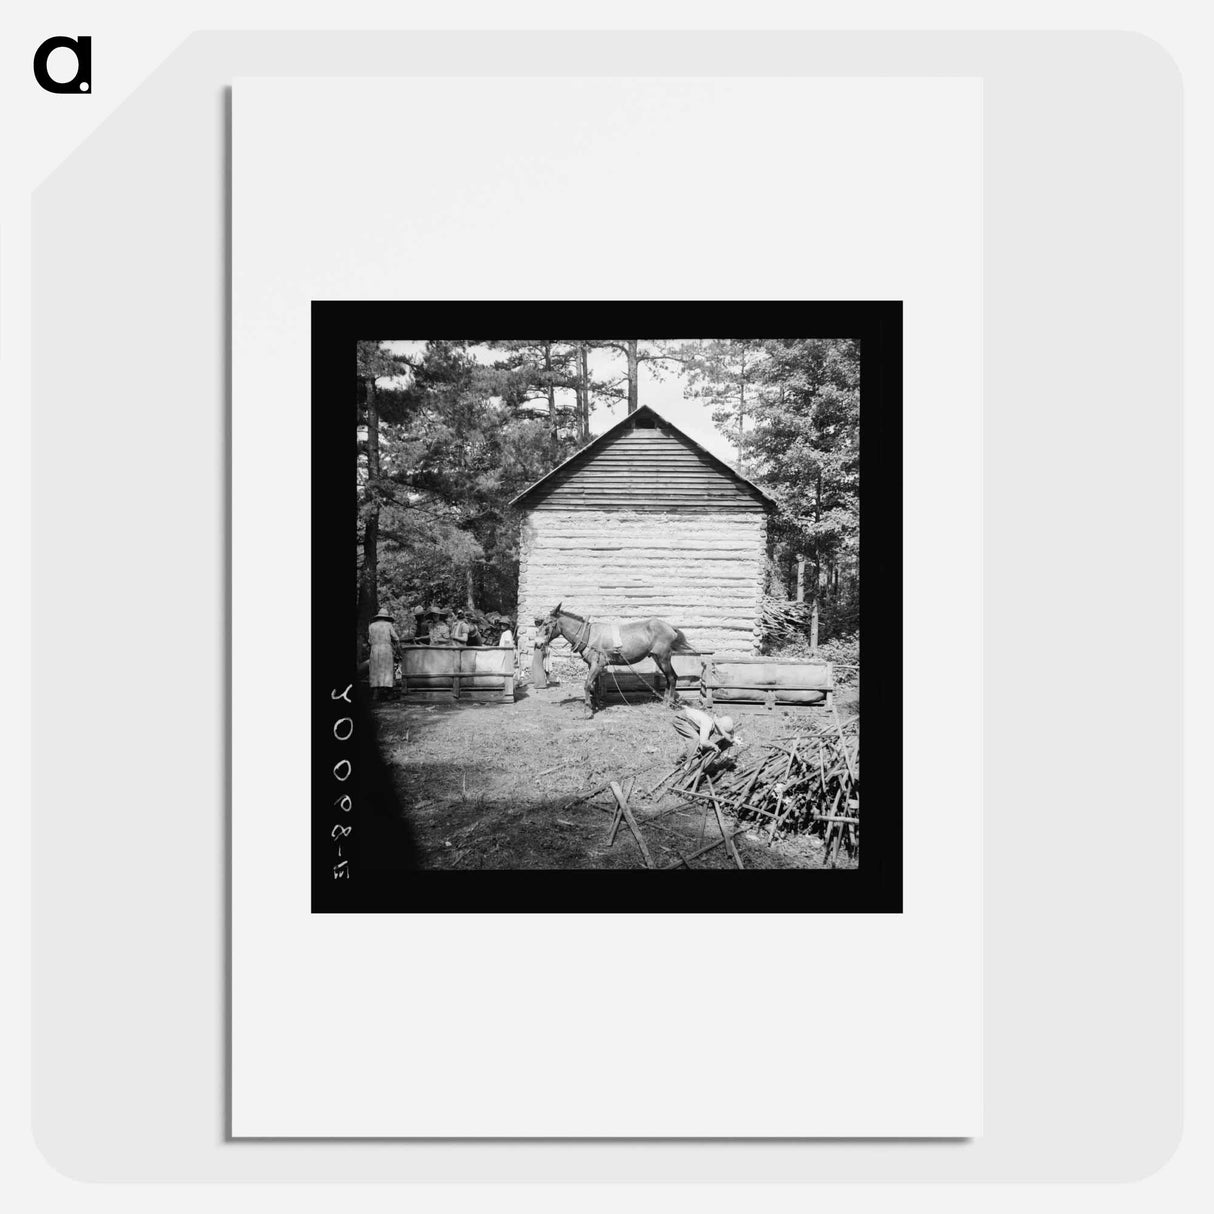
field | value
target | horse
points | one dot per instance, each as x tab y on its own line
601	644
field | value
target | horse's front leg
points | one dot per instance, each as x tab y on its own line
593	666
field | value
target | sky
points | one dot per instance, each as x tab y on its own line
666	395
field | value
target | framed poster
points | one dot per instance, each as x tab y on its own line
515	916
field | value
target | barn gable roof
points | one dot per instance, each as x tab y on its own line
561	475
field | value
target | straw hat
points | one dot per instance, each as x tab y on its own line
725	725
382	614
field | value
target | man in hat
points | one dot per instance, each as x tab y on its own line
703	730
421	625
383	638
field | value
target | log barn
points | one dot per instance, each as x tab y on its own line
644	521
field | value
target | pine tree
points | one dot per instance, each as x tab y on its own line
804	447
722	372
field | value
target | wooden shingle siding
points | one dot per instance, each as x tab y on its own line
644	467
703	572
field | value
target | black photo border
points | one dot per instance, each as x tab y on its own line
344	879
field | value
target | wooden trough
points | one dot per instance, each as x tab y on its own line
435	674
767	681
620	683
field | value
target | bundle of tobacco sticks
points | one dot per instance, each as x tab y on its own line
690	773
807	782
704	763
782	618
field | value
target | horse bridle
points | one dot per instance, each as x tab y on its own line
581	638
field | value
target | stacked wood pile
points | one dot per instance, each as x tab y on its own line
807	782
783	618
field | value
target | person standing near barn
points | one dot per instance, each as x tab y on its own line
541	658
506	640
383	639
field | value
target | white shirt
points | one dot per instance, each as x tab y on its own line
507	640
707	724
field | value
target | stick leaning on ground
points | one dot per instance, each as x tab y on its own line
594	792
730	847
681	862
626	813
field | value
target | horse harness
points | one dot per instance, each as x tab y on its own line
581	642
613	656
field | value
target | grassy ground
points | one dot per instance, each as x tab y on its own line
490	785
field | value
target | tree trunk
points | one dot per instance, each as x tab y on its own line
554	444
470	597
741	412
585	395
800	577
633	369
369	596
813	619
579	391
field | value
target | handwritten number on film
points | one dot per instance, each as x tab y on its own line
343	731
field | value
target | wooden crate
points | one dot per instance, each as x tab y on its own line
767	681
626	682
436	674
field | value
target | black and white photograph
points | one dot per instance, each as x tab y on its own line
604	600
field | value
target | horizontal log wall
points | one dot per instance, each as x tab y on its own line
701	571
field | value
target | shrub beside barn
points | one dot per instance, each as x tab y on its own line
644	521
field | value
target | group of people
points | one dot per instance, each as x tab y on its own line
458	630
442	627
434	627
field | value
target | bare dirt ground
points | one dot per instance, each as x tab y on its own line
490	785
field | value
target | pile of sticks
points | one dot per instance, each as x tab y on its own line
691	773
783	618
806	782
688	774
